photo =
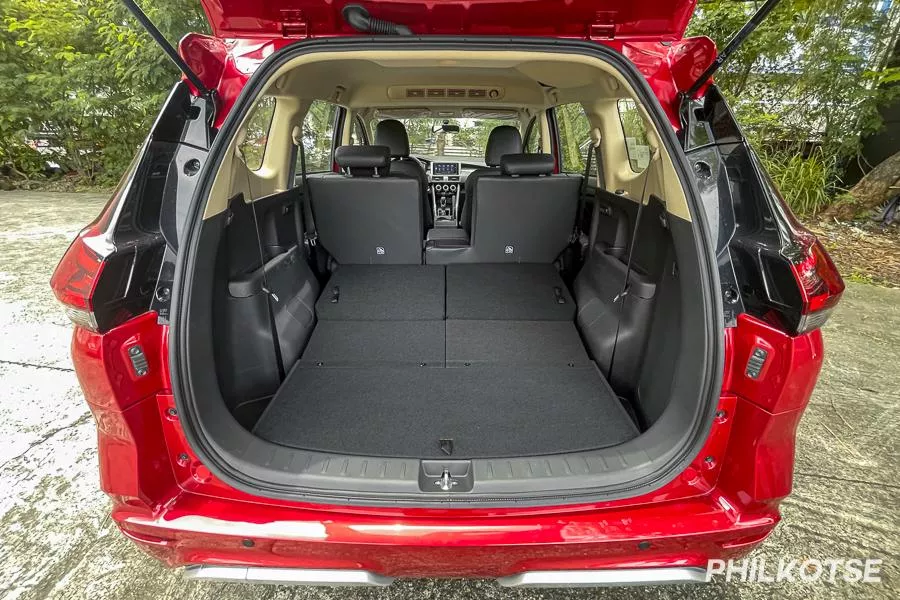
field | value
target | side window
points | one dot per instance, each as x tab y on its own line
574	138
636	143
357	133
254	145
534	143
318	133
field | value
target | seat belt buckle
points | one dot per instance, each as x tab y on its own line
311	239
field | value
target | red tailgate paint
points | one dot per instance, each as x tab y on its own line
663	20
721	506
686	534
134	467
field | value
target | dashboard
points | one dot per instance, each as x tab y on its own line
446	187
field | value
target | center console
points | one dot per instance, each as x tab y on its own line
444	189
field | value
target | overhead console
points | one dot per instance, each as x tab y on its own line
444	188
443	92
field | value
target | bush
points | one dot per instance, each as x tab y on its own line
804	182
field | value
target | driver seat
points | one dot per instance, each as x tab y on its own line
392	133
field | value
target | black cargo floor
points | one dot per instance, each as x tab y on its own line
487	411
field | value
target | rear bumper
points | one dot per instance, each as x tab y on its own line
272	544
352	577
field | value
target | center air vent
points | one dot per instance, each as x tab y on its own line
437	93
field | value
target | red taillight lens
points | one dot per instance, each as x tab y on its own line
75	280
820	285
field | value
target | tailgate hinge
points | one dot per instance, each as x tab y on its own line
293	24
603	27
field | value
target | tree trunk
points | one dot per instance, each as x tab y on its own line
878	186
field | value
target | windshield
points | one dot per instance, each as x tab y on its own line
428	141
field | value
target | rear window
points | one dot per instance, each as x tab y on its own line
636	143
574	138
257	136
318	136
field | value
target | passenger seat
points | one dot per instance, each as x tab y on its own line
523	214
504	139
365	216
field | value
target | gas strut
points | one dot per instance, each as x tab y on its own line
163	43
732	46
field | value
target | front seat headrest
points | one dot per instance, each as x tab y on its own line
364	161
526	164
504	139
392	133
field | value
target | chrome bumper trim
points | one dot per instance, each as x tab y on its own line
605	577
279	576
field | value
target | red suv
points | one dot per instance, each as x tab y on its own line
446	289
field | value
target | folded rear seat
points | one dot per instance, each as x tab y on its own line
364	215
527	292
523	214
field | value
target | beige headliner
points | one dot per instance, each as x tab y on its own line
530	82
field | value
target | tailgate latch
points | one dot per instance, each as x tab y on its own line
603	27
293	24
446	476
446	481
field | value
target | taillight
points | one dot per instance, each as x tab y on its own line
75	280
820	284
798	284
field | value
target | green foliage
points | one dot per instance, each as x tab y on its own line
318	130
574	131
257	134
806	183
812	73
86	77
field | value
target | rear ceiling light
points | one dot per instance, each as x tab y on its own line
75	280
820	285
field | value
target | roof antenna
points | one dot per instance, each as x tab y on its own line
359	19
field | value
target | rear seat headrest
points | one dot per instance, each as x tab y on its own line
364	160
504	139
526	164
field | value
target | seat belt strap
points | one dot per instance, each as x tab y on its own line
310	235
579	215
